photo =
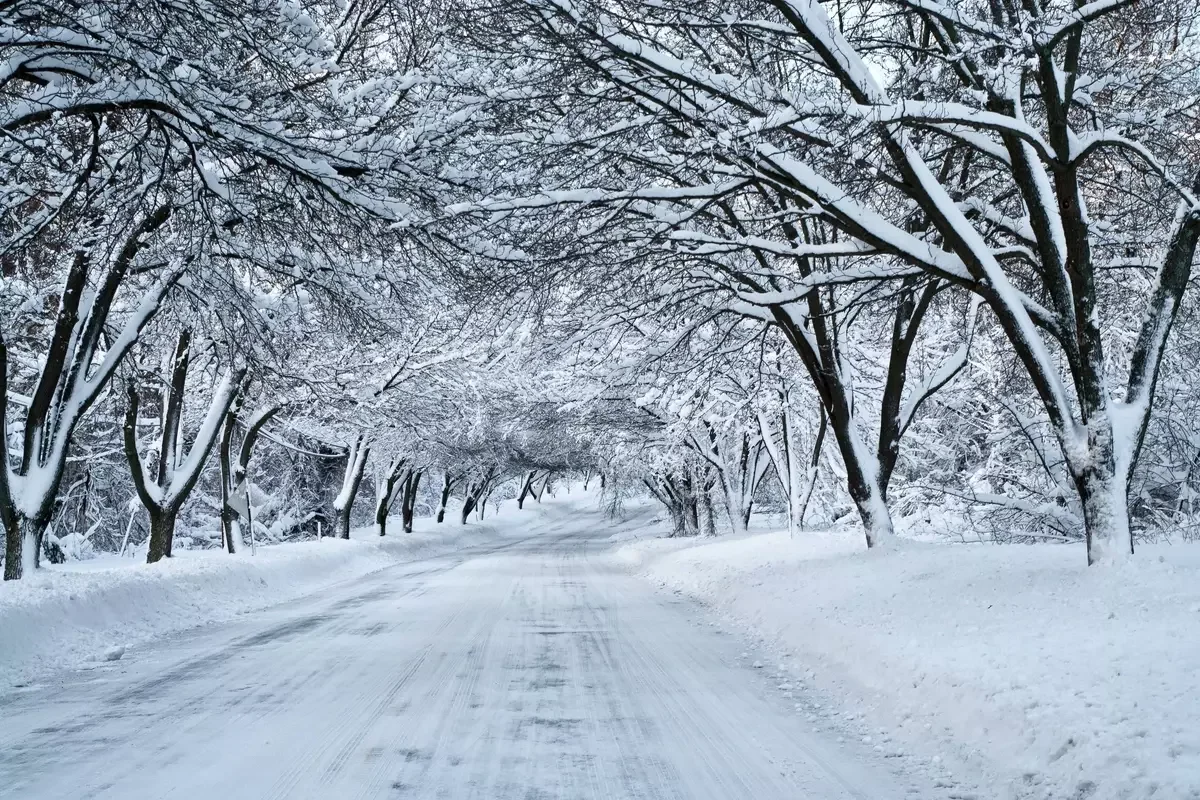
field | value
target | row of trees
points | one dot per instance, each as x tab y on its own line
859	256
212	237
894	191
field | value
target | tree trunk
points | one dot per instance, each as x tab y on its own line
22	546
162	534
231	531
733	507
873	510
235	477
356	465
176	483
677	525
229	516
1103	494
447	485
468	507
545	483
862	479
708	525
384	492
343	517
813	467
1105	518
526	488
381	510
408	504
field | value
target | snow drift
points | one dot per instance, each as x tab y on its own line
1012	667
66	616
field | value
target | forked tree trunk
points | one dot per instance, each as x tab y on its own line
235	475
679	496
526	489
83	354
447	486
385	491
476	494
164	493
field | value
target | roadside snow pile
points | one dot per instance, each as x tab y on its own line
1016	662
64	616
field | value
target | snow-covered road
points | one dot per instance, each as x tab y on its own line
531	669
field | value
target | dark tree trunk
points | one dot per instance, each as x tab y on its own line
383	503
526	488
408	505
708	513
174	408
163	506
225	458
477	492
447	485
679	496
862	480
343	518
162	534
22	534
381	515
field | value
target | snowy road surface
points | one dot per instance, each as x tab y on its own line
531	669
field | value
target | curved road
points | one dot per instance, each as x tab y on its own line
528	670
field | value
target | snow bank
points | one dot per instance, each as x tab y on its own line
66	615
1016	666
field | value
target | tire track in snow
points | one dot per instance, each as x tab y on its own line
529	671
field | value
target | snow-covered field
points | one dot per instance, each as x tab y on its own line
68	615
1014	669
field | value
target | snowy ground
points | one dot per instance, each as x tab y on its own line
520	659
86	611
528	668
1001	671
